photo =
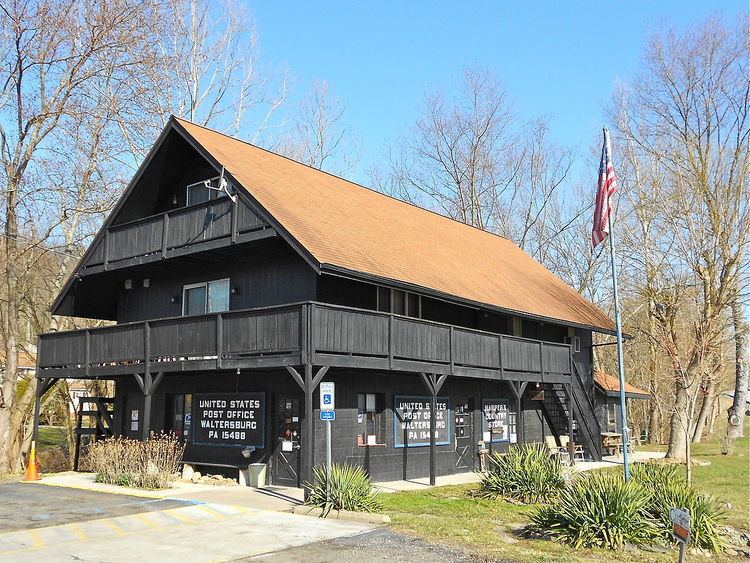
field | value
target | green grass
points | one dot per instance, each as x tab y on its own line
52	436
727	477
485	528
490	529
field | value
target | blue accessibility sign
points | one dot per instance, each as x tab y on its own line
327	415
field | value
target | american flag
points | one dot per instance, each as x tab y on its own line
607	186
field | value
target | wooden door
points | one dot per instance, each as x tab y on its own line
285	461
463	425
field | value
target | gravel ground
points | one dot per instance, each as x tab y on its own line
379	545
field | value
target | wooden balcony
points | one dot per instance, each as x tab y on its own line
295	334
197	228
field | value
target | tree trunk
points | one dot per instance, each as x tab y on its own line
654	421
712	418
736	413
706	407
653	405
679	425
9	313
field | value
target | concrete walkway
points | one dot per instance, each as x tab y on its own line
615	460
268	498
424	483
201	532
465	478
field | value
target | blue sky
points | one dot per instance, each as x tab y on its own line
557	59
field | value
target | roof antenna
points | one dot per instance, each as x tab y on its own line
223	186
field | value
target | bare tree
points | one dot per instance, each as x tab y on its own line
55	55
319	137
686	116
209	71
461	156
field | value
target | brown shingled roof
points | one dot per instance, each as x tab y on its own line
346	226
611	385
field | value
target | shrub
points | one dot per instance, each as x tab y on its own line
132	463
526	473
668	489
350	489
598	510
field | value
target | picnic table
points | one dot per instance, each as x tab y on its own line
612	443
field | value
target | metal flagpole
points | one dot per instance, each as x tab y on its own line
618	325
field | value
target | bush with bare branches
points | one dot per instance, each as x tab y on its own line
132	463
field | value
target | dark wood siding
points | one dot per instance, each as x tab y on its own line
273	275
384	462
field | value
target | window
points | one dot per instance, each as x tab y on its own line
517	329
370	419
399	302
611	414
201	193
513	426
205	297
179	415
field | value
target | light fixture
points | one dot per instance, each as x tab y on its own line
248	451
175	299
235	290
146	282
128	284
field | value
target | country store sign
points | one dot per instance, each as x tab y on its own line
412	421
229	419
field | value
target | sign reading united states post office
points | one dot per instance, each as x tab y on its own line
229	419
411	423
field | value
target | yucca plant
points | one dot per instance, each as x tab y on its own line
598	511
668	489
349	488
525	473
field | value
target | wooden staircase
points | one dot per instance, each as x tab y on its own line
98	412
586	430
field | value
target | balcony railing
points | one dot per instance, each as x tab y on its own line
160	236
294	334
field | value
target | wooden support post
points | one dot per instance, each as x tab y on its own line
219	339
42	386
433	384
233	220
147	383
87	353
308	384
147	346
308	445
164	234
105	242
518	388
571	444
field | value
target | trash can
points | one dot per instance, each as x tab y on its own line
256	475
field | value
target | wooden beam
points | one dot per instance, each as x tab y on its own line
433	384
319	376
140	382
297	377
157	381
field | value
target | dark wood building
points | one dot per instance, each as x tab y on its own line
238	280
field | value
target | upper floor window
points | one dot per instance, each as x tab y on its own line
399	302
205	297
204	191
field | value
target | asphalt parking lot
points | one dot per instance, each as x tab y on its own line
27	506
49	523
